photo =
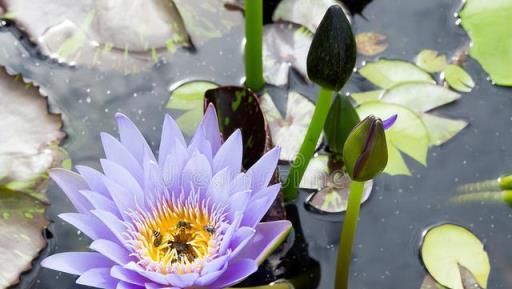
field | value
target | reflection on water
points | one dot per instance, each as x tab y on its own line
386	249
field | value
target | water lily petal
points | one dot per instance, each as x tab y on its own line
123	178
259	207
230	154
212	275
131	138
97	277
235	273
210	124
113	223
182	280
72	183
240	239
93	178
125	285
117	153
128	276
197	173
88	224
153	276
218	190
171	134
67	262
263	170
267	236
173	167
112	250
124	200
100	202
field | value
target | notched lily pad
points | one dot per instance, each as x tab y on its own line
238	107
430	283
458	78
284	46
371	43
446	248
431	60
288	131
187	100
387	73
488	25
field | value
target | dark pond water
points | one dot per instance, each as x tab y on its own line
400	208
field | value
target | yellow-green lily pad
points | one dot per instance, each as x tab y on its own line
458	78
431	61
448	246
387	73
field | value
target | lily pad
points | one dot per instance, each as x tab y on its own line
448	246
488	24
188	99
284	46
238	108
431	61
441	129
419	96
307	13
387	73
408	135
371	43
430	283
107	34
289	131
332	187
21	224
458	78
364	96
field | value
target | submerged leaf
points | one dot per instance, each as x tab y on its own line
188	98
408	135
21	224
289	131
419	96
113	34
308	13
387	73
371	43
488	25
458	78
284	45
431	60
448	246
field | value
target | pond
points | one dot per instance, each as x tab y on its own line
400	208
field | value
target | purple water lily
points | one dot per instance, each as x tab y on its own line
190	219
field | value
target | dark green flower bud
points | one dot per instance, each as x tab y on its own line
332	55
341	119
365	153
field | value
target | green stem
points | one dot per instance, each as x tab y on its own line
348	234
254	44
308	146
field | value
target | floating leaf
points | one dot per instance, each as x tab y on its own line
458	78
408	135
420	97
362	97
488	25
307	13
206	20
371	43
288	132
333	188
110	34
284	45
446	247
442	129
387	73
188	98
431	61
238	108
429	283
21	224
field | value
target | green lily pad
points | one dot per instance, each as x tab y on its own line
442	129
387	73
362	97
430	283
188	99
371	43
419	96
488	25
431	61
288	131
408	135
448	246
458	78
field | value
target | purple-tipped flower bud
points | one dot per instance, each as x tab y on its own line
365	152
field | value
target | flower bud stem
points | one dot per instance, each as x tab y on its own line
308	146
254	44
348	234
